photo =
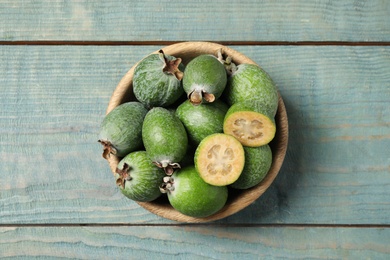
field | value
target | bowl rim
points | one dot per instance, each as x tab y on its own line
186	51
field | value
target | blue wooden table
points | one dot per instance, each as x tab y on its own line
60	61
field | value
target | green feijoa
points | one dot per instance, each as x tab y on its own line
250	123
138	178
157	80
258	161
249	81
204	78
191	196
120	131
203	120
165	138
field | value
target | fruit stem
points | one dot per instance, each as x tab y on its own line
171	66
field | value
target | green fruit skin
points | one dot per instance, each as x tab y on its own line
252	82
146	177
207	73
164	136
122	127
202	120
258	161
194	197
152	86
251	105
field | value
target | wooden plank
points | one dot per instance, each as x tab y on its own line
152	20
53	99
194	242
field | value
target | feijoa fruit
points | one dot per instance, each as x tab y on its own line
120	131
190	195
258	161
250	123
203	120
157	80
204	79
249	81
165	138
219	159
138	178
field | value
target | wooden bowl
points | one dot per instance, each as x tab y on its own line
238	199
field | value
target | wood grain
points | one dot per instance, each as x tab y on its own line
53	99
194	242
163	20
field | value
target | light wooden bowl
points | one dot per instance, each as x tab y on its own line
238	199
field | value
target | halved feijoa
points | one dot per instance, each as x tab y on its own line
190	195
165	138
203	120
250	123
138	178
120	131
204	79
219	159
258	161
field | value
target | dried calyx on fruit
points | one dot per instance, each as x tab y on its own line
204	79
120	131
165	138
157	80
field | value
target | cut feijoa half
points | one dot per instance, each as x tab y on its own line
120	131
249	81
219	159
258	161
204	79
138	178
203	120
191	196
165	138
249	123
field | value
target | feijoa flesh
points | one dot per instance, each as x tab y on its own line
138	178
258	161
219	159
250	123
157	80
165	138
249	81
204	79
189	194
120	131
203	120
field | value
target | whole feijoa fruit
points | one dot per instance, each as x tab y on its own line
204	78
250	123
203	120
157	80
138	178
120	131
191	196
258	161
219	159
249	81
165	138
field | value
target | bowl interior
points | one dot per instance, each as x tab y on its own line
238	199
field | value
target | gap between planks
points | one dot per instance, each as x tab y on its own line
383	226
250	43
